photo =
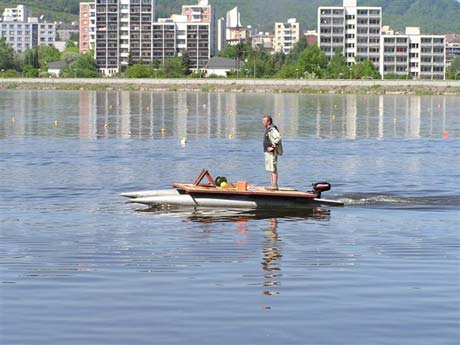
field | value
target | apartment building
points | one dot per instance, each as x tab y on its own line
87	26
412	54
126	32
234	32
23	32
394	54
353	30
262	40
452	51
427	55
123	33
286	35
65	31
173	36
202	13
165	39
19	13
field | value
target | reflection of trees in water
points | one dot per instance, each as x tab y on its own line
271	256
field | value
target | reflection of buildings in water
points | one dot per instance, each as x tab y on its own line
413	121
144	114
182	112
205	115
87	118
380	116
286	113
351	112
271	257
230	114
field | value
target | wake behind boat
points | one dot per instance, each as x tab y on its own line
222	194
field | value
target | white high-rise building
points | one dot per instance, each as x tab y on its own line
176	35
23	32
353	30
286	35
19	13
412	54
221	34
123	33
235	33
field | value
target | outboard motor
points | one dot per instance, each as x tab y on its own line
320	187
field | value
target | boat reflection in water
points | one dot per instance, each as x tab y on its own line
271	249
214	215
271	258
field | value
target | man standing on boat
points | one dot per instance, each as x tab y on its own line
272	149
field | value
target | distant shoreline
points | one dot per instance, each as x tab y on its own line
403	87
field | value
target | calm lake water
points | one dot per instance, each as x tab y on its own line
80	266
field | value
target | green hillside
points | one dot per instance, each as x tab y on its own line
433	16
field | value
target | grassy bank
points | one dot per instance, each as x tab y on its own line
404	87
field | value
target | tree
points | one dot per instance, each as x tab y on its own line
186	63
70	45
30	57
365	69
287	71
47	54
7	56
453	71
86	66
28	71
312	60
228	52
337	67
172	68
139	71
297	49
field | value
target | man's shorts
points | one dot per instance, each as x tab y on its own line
271	162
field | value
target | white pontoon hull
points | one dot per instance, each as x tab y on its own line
173	198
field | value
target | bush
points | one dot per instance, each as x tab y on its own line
10	73
29	72
139	71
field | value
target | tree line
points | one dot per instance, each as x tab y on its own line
33	62
303	62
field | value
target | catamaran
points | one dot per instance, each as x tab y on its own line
218	193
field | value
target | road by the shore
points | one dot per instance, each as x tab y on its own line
438	87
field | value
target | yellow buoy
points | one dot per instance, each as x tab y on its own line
183	141
230	136
163	130
224	184
56	122
106	125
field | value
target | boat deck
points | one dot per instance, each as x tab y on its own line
252	190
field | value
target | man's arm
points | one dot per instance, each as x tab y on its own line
274	136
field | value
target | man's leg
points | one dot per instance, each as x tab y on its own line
274	178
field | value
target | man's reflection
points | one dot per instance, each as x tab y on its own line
271	256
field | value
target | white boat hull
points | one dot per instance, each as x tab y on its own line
174	198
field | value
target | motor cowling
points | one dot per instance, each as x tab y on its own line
320	187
